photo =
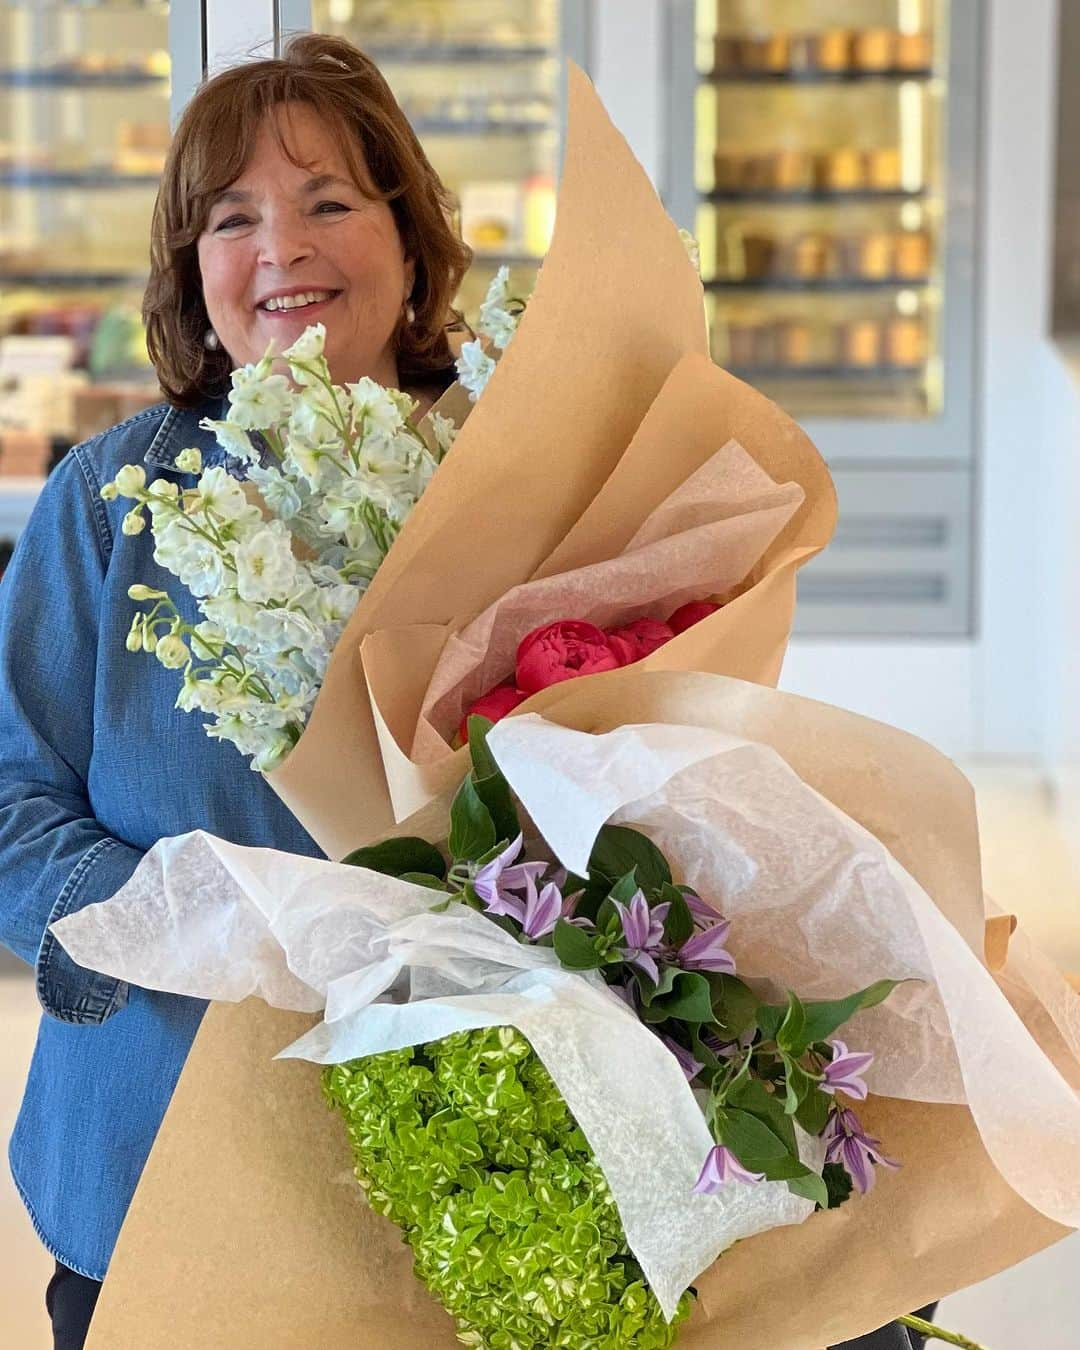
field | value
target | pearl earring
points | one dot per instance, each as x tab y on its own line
410	313
211	341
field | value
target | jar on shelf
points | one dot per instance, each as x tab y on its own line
842	170
914	51
883	168
871	257
832	50
905	342
768	54
811	256
861	344
913	250
873	50
793	170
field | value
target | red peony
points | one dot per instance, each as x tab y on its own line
687	615
494	705
562	651
636	640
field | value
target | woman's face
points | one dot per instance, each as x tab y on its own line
288	246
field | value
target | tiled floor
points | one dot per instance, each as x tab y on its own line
1029	869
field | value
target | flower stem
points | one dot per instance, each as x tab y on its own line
934	1333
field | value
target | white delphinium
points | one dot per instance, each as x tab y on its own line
474	368
693	250
444	432
500	315
258	398
498	320
338	470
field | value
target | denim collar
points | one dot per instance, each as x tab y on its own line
180	429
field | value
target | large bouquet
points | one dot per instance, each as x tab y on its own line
603	451
559	1184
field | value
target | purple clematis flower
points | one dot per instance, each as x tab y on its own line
722	1166
846	1142
496	879
689	1065
706	950
702	911
843	1074
542	911
643	929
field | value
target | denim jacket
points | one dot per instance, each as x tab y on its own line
96	765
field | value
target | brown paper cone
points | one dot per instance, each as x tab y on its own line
247	1232
617	310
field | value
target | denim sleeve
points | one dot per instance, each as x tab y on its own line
55	857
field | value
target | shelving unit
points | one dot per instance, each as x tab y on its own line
84	107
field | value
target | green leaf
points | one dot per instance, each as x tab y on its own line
810	1187
679	924
574	947
799	1086
735	1005
792	1036
396	857
690	999
472	831
756	1146
425	879
838	1183
624	889
750	1095
822	1019
491	787
619	850
494	792
814	1110
664	985
483	761
768	1017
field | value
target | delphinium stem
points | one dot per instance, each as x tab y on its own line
935	1333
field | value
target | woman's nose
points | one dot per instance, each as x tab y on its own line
284	244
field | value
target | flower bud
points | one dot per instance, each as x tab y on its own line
149	637
140	592
110	492
134	521
131	480
172	651
189	460
134	640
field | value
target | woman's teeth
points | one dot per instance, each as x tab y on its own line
296	301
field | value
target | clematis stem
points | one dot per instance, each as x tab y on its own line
934	1333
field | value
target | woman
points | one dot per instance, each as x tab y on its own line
294	192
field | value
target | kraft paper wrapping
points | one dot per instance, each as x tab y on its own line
246	1229
606	393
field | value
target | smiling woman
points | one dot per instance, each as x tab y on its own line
297	192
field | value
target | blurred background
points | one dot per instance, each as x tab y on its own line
887	199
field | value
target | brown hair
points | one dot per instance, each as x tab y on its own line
213	143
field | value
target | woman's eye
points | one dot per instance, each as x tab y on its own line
230	223
324	208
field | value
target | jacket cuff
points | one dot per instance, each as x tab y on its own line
65	990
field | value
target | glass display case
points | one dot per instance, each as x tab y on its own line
481	82
832	188
84	128
825	153
819	160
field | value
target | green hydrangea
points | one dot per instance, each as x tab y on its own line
466	1144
